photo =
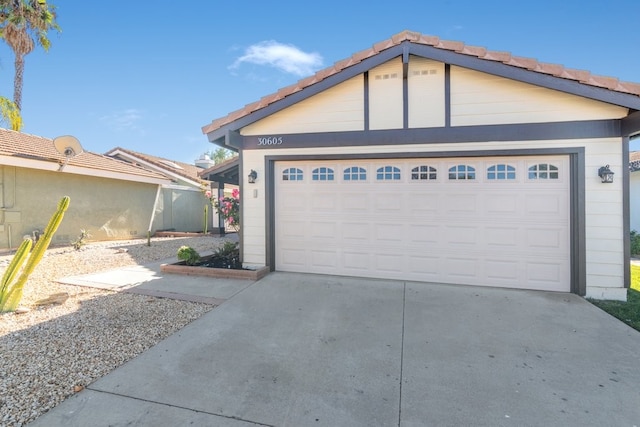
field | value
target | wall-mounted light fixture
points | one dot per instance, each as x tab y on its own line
605	174
252	176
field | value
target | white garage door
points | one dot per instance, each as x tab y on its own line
500	221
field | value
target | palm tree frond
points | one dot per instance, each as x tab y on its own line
23	25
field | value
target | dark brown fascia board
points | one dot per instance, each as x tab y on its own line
457	134
441	55
631	124
626	203
223	178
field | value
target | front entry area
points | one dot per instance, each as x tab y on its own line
487	221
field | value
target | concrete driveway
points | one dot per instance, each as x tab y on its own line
312	350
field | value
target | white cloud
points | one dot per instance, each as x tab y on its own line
284	57
454	29
126	120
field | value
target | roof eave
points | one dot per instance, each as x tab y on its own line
526	76
219	135
52	166
154	167
631	125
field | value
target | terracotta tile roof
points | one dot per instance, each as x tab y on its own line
27	146
634	156
222	166
531	64
184	170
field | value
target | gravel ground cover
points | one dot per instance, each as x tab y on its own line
56	349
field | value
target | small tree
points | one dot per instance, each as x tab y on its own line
220	155
635	242
10	114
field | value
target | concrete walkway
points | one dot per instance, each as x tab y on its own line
312	350
149	280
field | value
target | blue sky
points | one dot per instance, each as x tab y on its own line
148	76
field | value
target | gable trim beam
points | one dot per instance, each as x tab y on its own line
578	222
405	87
234	140
447	95
485	133
626	209
366	100
631	124
526	76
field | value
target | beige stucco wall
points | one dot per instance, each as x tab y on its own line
182	209
482	99
426	93
603	202
110	209
385	96
340	108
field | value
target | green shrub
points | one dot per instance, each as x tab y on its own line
635	243
229	254
189	255
228	249
81	240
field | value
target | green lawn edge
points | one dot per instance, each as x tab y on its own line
629	311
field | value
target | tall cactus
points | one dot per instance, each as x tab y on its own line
10	290
206	218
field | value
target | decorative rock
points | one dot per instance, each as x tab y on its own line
57	348
59	298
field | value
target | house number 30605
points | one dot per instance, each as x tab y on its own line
270	140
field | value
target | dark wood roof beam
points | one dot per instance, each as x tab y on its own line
631	124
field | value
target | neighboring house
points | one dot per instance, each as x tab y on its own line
634	190
180	206
109	198
430	160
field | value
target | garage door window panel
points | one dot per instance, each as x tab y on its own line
501	172
292	174
355	173
543	171
388	173
462	172
322	174
424	173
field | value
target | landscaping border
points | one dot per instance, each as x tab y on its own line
224	273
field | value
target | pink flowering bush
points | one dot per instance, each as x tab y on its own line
228	207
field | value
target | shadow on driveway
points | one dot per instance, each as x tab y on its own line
314	350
